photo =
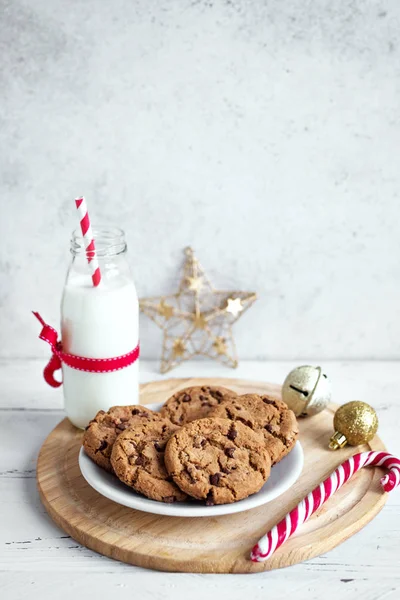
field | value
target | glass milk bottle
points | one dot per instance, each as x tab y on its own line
99	322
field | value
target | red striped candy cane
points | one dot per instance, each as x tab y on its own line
88	240
278	535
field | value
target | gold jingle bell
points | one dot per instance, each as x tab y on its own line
354	423
306	390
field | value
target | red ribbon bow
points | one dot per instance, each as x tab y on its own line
81	363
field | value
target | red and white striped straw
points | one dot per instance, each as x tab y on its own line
88	240
278	535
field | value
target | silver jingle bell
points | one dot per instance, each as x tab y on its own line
306	390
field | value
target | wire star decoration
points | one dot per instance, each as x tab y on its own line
197	320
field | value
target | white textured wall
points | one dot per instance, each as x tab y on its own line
265	134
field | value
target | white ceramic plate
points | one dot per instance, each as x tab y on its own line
283	475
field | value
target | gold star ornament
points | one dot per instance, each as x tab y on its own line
197	320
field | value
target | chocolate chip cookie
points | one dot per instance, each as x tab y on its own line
103	430
137	458
217	460
265	414
194	403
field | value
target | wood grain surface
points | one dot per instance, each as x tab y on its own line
218	544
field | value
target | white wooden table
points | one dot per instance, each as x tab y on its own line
39	561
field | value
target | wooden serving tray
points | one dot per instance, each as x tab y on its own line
215	544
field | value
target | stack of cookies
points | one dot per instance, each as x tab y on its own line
206	443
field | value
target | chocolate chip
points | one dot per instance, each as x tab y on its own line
122	426
169	499
124	419
202	397
158	446
210	499
186	398
139	413
230	452
225	470
214	479
269	428
205	403
232	433
267	400
139	460
102	446
217	395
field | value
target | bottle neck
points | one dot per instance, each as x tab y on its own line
108	242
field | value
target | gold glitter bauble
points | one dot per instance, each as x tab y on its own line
354	423
306	390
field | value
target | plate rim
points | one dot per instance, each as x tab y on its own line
160	508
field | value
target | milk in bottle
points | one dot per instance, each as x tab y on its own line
99	322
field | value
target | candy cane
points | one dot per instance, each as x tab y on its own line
88	240
278	535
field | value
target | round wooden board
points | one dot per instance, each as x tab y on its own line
207	545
